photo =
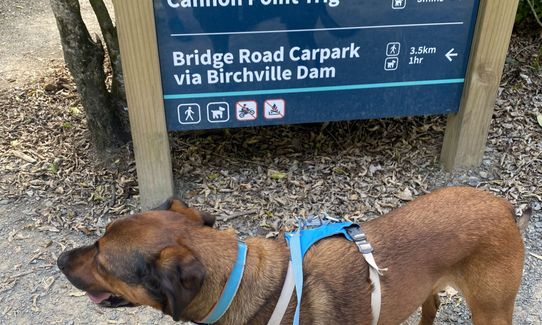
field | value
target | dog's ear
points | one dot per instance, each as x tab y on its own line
208	219
177	205
174	279
173	203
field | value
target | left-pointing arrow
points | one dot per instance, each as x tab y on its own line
451	54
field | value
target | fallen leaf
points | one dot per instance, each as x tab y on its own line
48	228
339	170
405	195
213	176
539	118
23	156
276	175
74	110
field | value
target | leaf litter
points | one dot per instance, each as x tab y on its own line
257	180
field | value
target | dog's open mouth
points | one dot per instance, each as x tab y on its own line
106	299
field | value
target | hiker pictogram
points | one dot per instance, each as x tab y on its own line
189	113
393	49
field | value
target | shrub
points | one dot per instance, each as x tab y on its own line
530	10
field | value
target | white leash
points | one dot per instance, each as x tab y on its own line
376	295
285	296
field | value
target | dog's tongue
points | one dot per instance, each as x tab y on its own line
97	298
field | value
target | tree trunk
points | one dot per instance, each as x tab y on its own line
109	32
84	58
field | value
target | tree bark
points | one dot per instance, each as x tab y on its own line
84	58
109	32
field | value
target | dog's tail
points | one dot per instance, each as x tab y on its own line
523	220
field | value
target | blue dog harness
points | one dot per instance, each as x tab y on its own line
309	232
299	242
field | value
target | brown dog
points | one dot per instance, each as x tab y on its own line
175	261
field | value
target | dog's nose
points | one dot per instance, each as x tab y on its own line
62	261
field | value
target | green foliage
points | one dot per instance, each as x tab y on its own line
526	12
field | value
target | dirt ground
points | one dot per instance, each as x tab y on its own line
54	197
29	40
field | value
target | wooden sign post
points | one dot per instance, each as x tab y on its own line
139	50
466	132
398	58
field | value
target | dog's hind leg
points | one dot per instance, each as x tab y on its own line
490	289
487	312
429	309
491	307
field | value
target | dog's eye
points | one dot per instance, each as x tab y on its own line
99	265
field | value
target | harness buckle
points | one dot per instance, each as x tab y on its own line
360	239
312	221
315	221
330	218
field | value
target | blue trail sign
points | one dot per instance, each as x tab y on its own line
235	63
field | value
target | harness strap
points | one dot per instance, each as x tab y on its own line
284	299
297	262
365	248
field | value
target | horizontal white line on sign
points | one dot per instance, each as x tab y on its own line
321	29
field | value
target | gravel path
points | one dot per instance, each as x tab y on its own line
53	195
29	40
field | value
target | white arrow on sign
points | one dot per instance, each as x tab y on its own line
451	54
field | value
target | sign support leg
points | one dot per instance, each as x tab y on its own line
467	131
137	38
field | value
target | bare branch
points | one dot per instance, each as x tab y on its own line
535	14
109	32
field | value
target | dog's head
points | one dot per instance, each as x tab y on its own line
141	260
